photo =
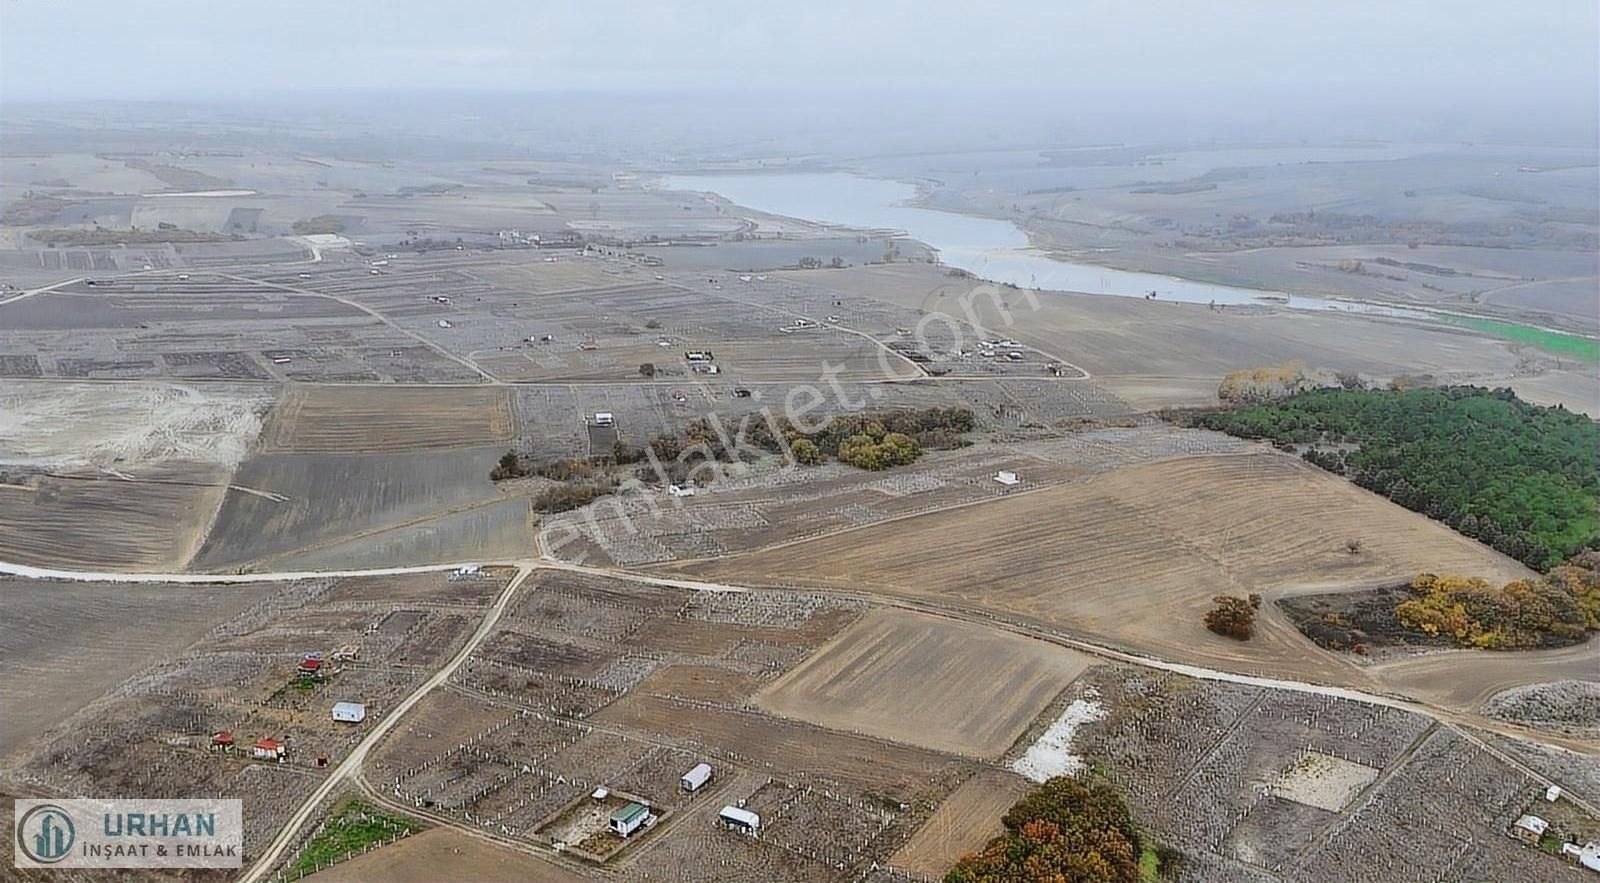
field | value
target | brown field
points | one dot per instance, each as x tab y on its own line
784	747
66	643
92	521
325	419
928	681
325	505
1136	554
445	854
966	821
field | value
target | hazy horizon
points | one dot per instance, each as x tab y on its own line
1056	72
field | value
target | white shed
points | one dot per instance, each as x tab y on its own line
741	820
680	490
349	712
1007	478
693	779
604	418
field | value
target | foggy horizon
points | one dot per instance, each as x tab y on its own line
1497	71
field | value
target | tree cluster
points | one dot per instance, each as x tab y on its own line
878	450
1064	831
1518	477
1233	617
1560	607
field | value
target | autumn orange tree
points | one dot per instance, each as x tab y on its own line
1560	607
1233	616
1064	831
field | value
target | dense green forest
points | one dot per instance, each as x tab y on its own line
1521	478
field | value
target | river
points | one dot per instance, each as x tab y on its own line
990	249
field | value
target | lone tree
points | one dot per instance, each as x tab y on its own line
1232	616
647	369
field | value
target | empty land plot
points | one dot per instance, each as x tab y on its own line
783	747
92	521
56	424
1137	553
495	531
322	499
445	854
926	680
967	820
335	420
65	643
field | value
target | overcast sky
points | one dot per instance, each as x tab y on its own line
1454	55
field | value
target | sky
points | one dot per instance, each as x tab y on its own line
1489	57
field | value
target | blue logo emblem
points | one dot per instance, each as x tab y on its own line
46	834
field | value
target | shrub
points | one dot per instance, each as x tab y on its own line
1232	616
510	466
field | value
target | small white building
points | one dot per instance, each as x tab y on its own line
1007	478
680	490
1552	793
601	793
604	418
349	712
629	819
741	820
694	778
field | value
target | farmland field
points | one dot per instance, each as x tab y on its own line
963	823
94	521
357	421
330	498
1136	554
790	748
66	643
928	681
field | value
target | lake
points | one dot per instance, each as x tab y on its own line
990	249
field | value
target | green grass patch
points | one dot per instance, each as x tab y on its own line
1149	865
1570	346
351	828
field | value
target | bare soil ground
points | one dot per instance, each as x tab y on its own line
1136	554
1467	678
966	821
445	853
57	424
328	499
924	680
784	747
66	643
325	419
151	519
